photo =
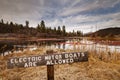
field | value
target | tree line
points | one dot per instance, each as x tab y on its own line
40	31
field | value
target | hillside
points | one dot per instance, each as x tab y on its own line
108	32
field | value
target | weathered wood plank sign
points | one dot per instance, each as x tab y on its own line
48	59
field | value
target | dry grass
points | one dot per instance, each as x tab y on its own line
102	66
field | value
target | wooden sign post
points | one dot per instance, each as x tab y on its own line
50	59
50	68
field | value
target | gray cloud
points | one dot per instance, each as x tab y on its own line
75	14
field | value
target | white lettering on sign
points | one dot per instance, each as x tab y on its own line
25	59
61	61
30	64
82	54
50	59
71	55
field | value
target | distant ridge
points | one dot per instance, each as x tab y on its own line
109	32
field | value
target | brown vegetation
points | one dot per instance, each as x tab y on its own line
102	66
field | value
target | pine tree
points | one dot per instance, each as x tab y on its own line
2	21
11	23
79	33
38	28
63	31
59	30
42	25
27	23
54	31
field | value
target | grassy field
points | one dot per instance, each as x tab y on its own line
100	66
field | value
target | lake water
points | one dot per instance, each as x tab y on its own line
86	45
75	44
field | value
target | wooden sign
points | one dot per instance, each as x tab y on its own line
48	59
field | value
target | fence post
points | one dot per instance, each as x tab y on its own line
50	68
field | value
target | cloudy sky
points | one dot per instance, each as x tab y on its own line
82	15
